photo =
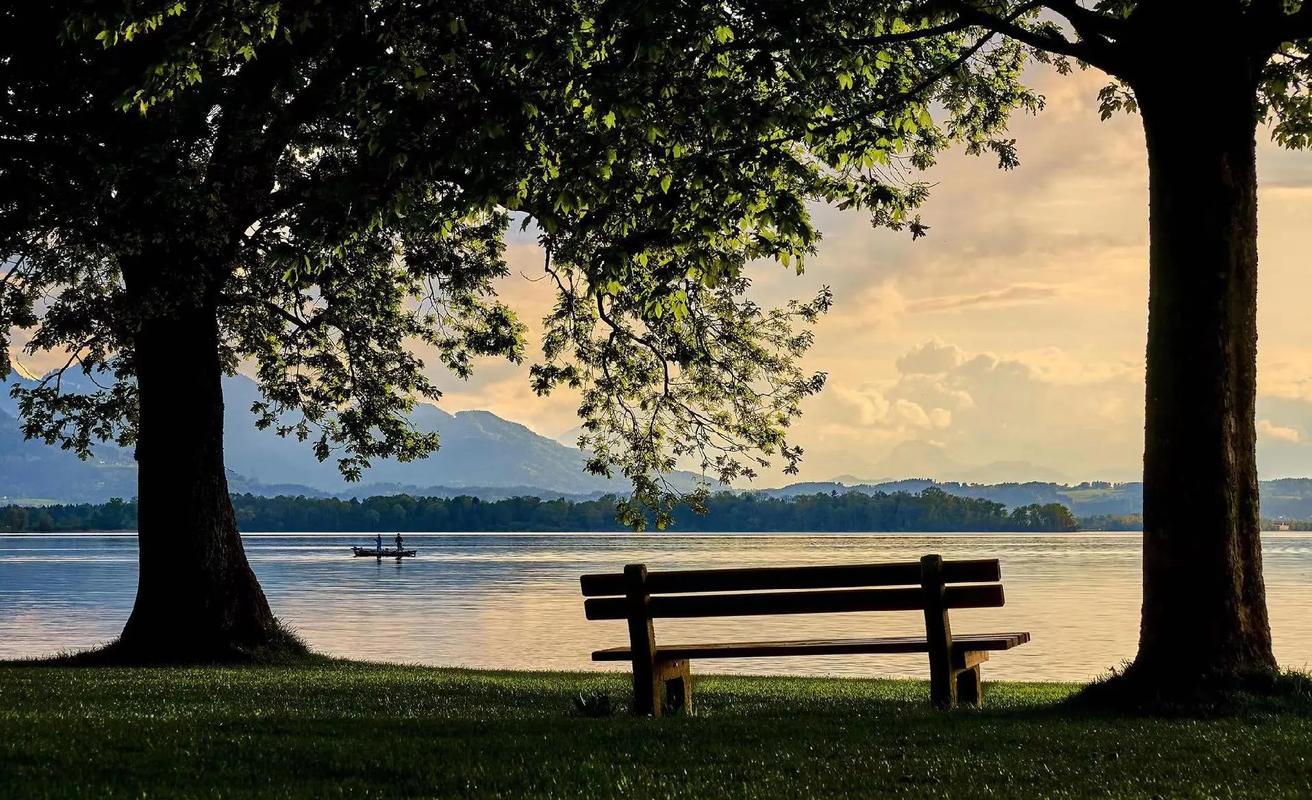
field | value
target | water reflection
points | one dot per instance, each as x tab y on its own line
512	600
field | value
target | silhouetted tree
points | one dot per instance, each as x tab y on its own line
312	187
1203	76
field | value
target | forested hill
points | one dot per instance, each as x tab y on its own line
1282	498
929	510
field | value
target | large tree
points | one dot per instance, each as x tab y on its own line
917	75
318	192
1203	77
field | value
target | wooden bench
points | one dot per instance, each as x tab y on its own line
662	679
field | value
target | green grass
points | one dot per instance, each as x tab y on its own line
345	729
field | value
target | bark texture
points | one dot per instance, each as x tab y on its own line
1204	608
197	598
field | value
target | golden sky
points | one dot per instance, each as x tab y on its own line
1008	344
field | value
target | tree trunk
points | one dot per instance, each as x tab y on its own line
197	598
1204	603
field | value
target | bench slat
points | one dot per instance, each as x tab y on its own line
824	577
888	644
818	602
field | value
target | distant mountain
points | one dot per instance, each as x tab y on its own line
570	437
1286	498
35	471
478	450
494	458
480	453
1084	499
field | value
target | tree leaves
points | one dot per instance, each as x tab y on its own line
332	181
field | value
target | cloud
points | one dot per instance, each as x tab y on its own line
876	308
1283	169
1058	366
1047	406
1269	430
1283	449
1010	296
898	415
870	404
930	358
1286	375
940	417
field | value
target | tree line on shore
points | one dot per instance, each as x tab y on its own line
929	510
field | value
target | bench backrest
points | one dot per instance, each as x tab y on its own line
928	584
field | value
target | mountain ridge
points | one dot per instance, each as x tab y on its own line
490	457
479	451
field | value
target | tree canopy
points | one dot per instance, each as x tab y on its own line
337	179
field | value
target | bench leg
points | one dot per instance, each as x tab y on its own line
970	690
942	686
942	682
646	694
673	687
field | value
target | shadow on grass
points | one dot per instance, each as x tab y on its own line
1129	691
285	649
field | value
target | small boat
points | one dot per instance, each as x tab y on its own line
384	552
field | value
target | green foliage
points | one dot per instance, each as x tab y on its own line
116	515
342	729
332	181
931	510
1114	522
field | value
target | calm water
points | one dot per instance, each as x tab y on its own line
512	600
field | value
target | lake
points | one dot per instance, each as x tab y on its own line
511	601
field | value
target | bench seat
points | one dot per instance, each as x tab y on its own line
820	647
662	673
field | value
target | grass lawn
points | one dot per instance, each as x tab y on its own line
348	729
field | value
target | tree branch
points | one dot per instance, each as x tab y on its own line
633	337
879	40
1086	22
925	83
1086	51
12	271
75	356
250	301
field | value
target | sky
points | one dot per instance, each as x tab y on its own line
1009	343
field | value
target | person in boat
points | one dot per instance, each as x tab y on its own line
398	542
378	542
